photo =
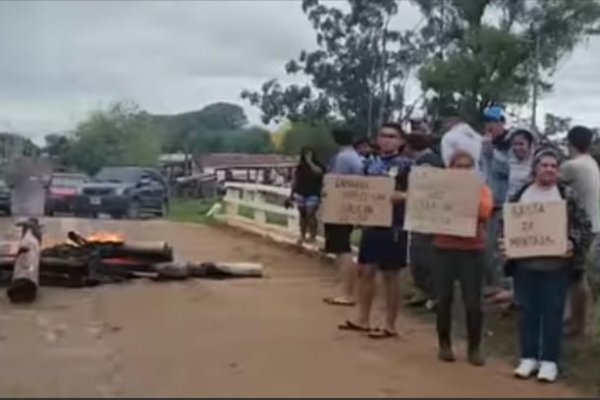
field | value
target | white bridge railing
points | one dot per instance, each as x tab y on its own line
262	205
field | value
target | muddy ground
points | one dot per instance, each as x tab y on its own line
267	337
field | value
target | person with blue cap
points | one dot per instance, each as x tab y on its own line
496	166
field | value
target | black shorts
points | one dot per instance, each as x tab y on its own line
337	238
383	247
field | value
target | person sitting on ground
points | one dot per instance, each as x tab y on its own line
337	236
306	192
541	283
462	259
383	249
422	254
581	172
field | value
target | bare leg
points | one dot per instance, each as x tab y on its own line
349	275
392	298
366	293
303	222
311	223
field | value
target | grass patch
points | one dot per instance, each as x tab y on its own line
190	210
246	212
276	219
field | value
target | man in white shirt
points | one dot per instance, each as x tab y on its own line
582	173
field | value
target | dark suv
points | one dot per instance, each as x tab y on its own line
124	192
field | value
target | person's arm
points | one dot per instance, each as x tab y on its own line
566	173
314	167
486	203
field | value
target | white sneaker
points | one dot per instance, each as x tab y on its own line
526	368
548	371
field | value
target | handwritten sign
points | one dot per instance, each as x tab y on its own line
442	201
357	200
535	229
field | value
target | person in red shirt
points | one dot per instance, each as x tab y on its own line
463	260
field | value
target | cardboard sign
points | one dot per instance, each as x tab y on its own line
357	200
535	229
442	201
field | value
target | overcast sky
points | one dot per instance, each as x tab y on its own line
58	60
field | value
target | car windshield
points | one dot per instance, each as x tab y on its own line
118	175
67	181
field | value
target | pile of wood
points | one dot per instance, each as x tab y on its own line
79	262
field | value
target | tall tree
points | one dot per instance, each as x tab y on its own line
493	51
120	135
358	72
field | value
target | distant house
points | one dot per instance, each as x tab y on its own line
247	167
14	146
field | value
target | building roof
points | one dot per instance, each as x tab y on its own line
242	160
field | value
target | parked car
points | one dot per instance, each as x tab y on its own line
124	192
5	198
62	191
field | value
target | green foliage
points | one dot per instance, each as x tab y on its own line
125	135
485	51
218	127
190	210
314	134
121	135
358	72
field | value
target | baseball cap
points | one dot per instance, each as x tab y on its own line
493	114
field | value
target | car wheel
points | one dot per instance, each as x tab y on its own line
133	212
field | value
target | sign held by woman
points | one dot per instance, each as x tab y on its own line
536	229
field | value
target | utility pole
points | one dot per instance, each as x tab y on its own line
536	79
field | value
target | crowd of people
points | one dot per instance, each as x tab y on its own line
551	294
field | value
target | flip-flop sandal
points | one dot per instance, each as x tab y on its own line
351	326
382	334
337	302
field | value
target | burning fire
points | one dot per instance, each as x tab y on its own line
105	237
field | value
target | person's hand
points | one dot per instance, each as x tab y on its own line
398	197
570	249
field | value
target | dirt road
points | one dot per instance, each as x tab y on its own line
269	337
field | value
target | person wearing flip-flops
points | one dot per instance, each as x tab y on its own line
462	259
337	236
383	249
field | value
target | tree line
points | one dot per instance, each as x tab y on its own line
467	54
123	134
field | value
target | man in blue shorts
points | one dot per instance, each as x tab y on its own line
383	249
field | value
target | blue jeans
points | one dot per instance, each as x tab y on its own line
541	296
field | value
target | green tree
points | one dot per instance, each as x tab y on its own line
315	134
120	135
358	72
492	51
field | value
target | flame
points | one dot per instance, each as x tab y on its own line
105	237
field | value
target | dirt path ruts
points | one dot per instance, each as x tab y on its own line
251	338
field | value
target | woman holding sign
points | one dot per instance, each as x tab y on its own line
544	249
462	259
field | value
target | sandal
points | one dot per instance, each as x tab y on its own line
382	334
351	326
336	301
